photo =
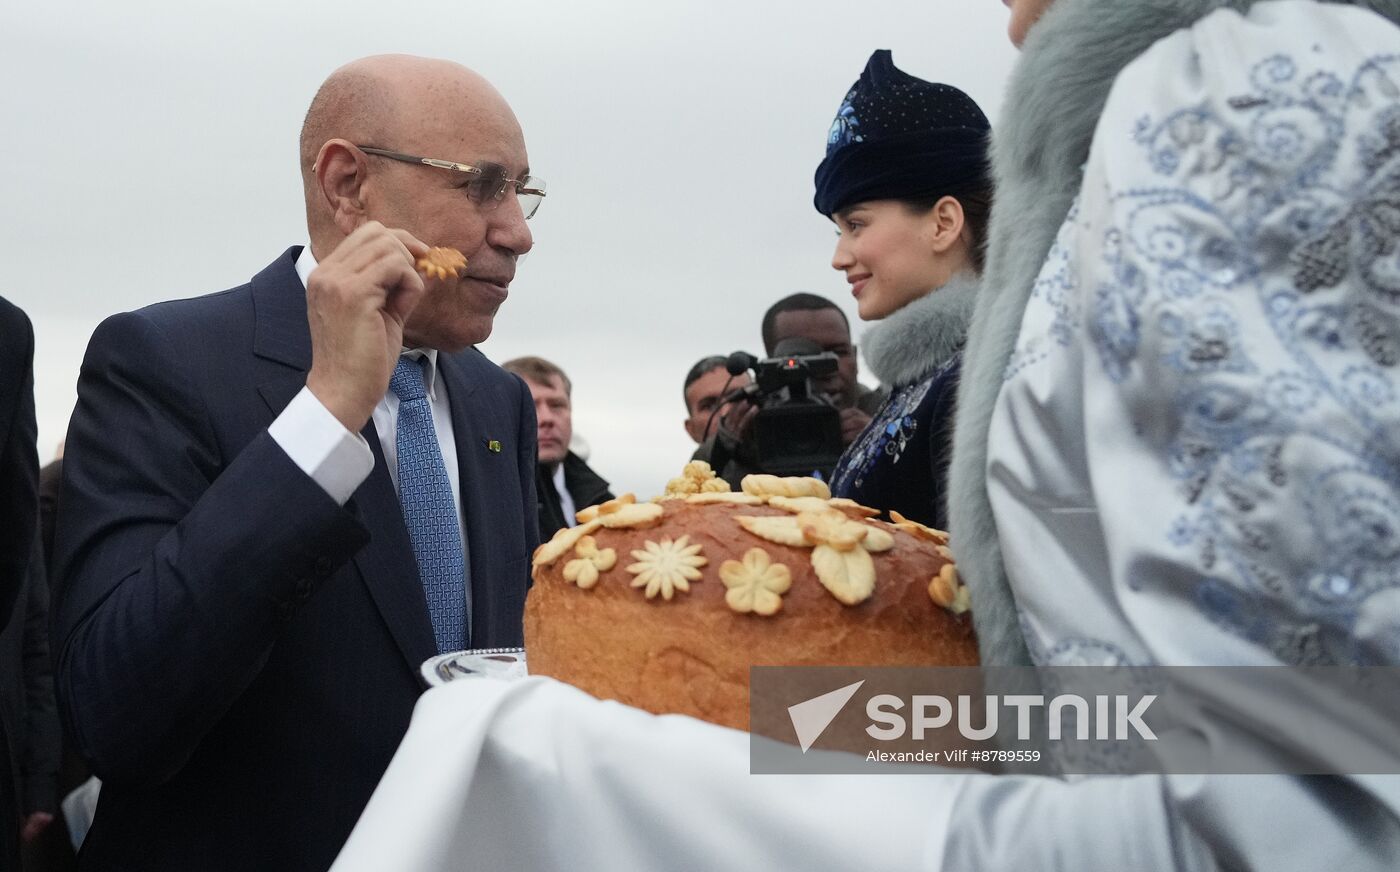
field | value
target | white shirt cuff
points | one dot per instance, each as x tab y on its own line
336	459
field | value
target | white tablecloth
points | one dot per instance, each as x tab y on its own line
535	774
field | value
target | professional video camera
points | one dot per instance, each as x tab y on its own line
797	430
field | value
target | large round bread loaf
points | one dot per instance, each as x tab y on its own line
691	653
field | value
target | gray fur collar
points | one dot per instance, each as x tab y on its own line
1055	97
914	341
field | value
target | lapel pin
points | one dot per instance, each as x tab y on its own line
493	446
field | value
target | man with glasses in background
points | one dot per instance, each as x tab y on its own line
280	500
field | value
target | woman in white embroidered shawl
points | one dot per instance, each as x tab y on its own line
1178	433
905	179
1178	442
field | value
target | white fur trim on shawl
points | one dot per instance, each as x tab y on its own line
1056	94
913	341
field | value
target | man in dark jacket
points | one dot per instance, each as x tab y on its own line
563	481
19	508
279	500
27	704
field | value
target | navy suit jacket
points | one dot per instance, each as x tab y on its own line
238	655
19	518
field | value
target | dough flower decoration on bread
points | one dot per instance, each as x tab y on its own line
778	529
851	507
728	497
439	263
948	591
841	547
623	512
584	569
798	505
918	530
666	566
833	529
563	542
756	584
696	478
773	486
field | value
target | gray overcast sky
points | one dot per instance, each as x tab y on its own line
151	155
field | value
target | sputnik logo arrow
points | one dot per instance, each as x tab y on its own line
811	718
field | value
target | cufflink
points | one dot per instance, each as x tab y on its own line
493	446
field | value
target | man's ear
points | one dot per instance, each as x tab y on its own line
691	425
341	170
946	223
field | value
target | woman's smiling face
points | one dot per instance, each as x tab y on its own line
890	255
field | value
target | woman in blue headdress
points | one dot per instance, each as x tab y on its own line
905	181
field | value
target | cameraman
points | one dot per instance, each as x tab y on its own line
808	316
705	387
820	322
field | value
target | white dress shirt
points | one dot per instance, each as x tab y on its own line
338	460
566	500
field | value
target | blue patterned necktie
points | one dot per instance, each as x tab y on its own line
429	510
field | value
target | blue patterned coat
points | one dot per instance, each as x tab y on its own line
900	461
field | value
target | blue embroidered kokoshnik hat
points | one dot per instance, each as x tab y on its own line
899	137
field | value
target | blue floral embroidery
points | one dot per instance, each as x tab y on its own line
1114	325
887	436
1082	652
1057	287
845	128
1201	339
1284	205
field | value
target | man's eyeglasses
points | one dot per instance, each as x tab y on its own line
488	185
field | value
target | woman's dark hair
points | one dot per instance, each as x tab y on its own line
976	202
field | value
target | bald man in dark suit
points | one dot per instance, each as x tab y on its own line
279	500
